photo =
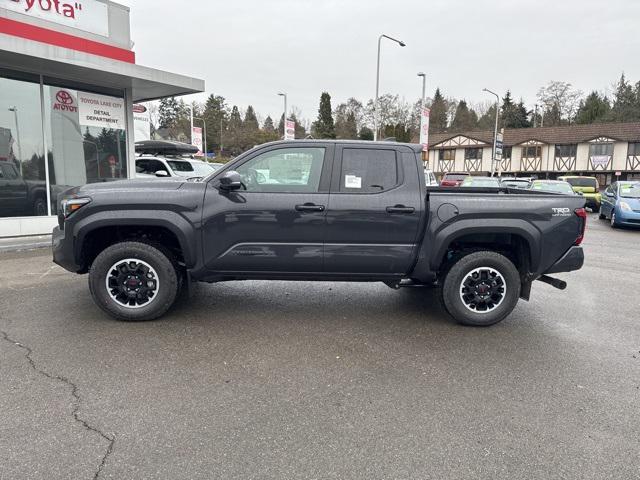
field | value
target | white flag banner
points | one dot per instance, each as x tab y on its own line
289	130
101	111
141	123
424	129
196	139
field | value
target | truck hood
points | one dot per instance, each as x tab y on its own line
153	184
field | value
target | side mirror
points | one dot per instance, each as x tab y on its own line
608	194
231	180
162	173
581	194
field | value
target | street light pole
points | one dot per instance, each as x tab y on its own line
495	133
205	136
284	117
424	88
15	114
423	105
221	145
375	105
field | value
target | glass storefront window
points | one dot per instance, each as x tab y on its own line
86	138
22	168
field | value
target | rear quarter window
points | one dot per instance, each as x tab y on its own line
368	171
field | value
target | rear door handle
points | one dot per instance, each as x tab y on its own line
400	209
310	207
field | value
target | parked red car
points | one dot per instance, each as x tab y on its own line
453	179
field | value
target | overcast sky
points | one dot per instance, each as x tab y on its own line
248	50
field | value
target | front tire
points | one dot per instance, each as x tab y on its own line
481	289
614	224
134	281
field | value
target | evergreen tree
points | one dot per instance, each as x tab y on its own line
625	107
301	132
365	133
514	115
487	120
268	126
168	112
216	116
465	119
439	113
593	109
234	144
324	126
346	125
250	119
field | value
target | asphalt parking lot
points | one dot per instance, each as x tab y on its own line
302	380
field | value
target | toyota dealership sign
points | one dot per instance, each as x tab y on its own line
87	15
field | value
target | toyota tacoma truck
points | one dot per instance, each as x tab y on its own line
317	210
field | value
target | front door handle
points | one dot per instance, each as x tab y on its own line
310	207
400	209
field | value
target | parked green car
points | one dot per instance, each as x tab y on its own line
589	187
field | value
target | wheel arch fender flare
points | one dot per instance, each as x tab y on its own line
179	226
445	236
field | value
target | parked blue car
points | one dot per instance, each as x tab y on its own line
621	204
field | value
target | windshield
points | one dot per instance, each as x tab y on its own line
455	176
202	169
480	182
582	182
630	191
560	187
515	183
181	167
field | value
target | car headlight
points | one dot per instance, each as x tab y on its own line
624	206
71	205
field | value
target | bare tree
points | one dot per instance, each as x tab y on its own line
561	99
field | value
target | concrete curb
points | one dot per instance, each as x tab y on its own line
23	244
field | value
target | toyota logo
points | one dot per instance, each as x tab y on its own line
64	97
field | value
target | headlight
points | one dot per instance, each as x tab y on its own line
624	206
71	205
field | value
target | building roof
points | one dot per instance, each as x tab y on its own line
624	132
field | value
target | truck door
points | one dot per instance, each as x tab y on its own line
13	191
374	210
275	224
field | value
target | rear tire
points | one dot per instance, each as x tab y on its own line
134	281
481	289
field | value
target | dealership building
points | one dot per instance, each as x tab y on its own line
608	151
68	84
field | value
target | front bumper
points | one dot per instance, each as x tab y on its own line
627	218
570	261
63	250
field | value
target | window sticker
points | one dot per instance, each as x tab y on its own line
352	181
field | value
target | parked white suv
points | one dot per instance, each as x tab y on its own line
166	159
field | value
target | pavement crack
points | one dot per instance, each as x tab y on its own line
77	401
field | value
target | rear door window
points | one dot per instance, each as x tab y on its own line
368	171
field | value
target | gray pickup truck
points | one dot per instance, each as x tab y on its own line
317	210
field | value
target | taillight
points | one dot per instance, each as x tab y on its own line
582	214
